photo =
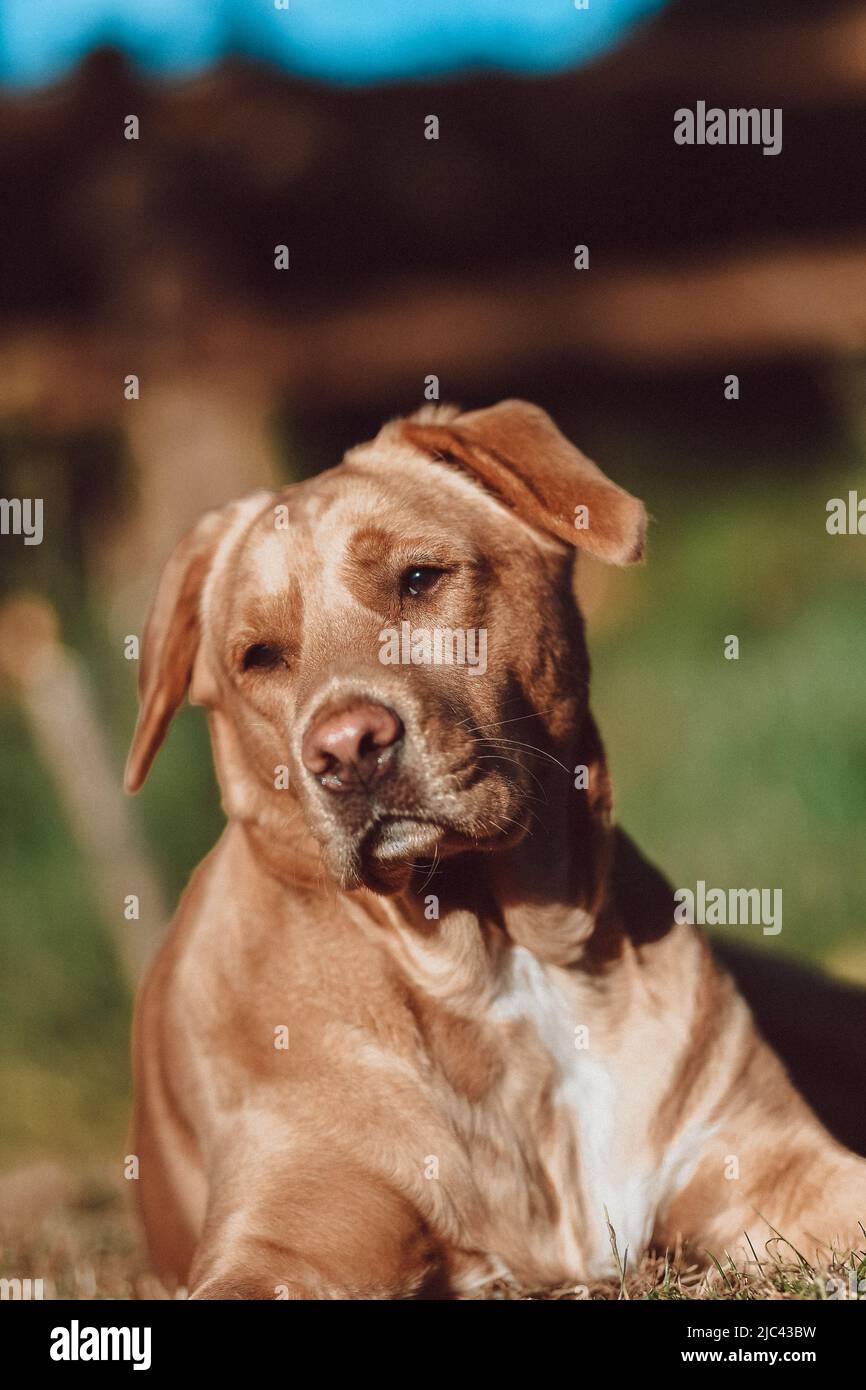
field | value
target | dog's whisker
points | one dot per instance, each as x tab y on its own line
532	749
433	868
503	757
498	723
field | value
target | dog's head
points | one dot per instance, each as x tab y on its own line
392	648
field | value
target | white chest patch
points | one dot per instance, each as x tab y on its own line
618	1173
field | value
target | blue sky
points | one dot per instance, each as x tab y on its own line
340	40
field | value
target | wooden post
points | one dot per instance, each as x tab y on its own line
58	702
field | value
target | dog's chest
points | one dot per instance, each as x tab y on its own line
552	1139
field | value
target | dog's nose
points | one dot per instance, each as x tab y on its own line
349	747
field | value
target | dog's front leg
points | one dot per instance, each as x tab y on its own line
320	1227
770	1177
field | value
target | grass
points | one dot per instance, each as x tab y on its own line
661	1278
748	772
81	1237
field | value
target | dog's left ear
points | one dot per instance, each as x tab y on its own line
517	452
170	642
171	637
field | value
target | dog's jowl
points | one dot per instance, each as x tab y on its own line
340	1093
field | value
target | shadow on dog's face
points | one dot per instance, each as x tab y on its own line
391	651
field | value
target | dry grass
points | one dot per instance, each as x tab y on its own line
660	1278
778	1272
78	1234
81	1237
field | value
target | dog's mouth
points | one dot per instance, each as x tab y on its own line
398	843
398	837
379	837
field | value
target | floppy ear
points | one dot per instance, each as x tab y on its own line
171	640
517	452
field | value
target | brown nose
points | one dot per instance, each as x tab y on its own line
346	749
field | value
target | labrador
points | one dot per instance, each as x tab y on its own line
425	1018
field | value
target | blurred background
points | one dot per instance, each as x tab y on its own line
412	258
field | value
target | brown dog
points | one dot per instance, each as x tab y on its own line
425	1014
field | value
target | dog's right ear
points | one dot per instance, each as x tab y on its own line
517	453
171	637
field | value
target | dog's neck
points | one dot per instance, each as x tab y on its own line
550	893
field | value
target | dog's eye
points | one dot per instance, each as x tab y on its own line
261	657
418	580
